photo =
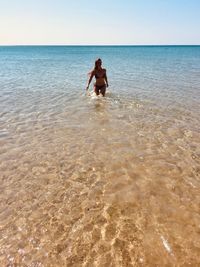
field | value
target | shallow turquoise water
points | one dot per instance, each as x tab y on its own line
165	74
91	181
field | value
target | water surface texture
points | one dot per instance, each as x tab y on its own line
110	181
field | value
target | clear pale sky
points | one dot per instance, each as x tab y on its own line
99	22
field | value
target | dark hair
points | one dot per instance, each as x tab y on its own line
95	65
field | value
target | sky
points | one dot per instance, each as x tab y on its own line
103	22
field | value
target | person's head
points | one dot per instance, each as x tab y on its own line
98	63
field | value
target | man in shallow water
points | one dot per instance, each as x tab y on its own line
101	78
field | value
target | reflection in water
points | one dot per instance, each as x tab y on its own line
99	105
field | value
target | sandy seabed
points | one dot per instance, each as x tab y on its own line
112	183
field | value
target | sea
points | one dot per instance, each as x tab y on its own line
99	181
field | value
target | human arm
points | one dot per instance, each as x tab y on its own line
90	79
106	79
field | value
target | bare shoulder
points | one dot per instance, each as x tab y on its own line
92	72
104	70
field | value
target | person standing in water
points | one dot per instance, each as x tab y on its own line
101	78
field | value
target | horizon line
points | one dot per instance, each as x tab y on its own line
1	45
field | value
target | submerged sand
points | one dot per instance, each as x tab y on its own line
114	182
